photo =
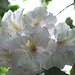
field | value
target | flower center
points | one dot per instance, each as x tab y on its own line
63	41
37	23
31	46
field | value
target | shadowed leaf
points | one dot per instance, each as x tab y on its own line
69	21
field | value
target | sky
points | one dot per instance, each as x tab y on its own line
54	7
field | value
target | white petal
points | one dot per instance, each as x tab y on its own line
38	13
43	60
27	22
50	19
12	22
18	15
62	31
40	36
15	44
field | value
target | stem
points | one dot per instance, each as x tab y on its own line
64	9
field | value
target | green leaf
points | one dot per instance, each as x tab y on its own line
24	0
72	71
4	69
69	21
47	1
54	71
13	8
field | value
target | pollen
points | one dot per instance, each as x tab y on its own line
37	24
31	46
63	41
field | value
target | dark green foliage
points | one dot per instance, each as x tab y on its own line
54	71
47	1
13	8
69	21
3	7
72	71
3	4
2	13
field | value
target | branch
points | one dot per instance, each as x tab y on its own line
65	8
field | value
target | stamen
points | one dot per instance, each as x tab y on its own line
15	27
31	46
37	23
63	41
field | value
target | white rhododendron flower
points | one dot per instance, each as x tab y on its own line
12	22
29	53
40	16
65	48
34	46
27	46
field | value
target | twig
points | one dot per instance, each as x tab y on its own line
65	8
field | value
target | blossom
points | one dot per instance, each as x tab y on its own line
27	50
12	22
40	16
32	51
64	46
27	46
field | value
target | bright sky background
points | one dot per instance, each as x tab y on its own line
54	7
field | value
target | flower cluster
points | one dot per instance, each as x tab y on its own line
27	46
